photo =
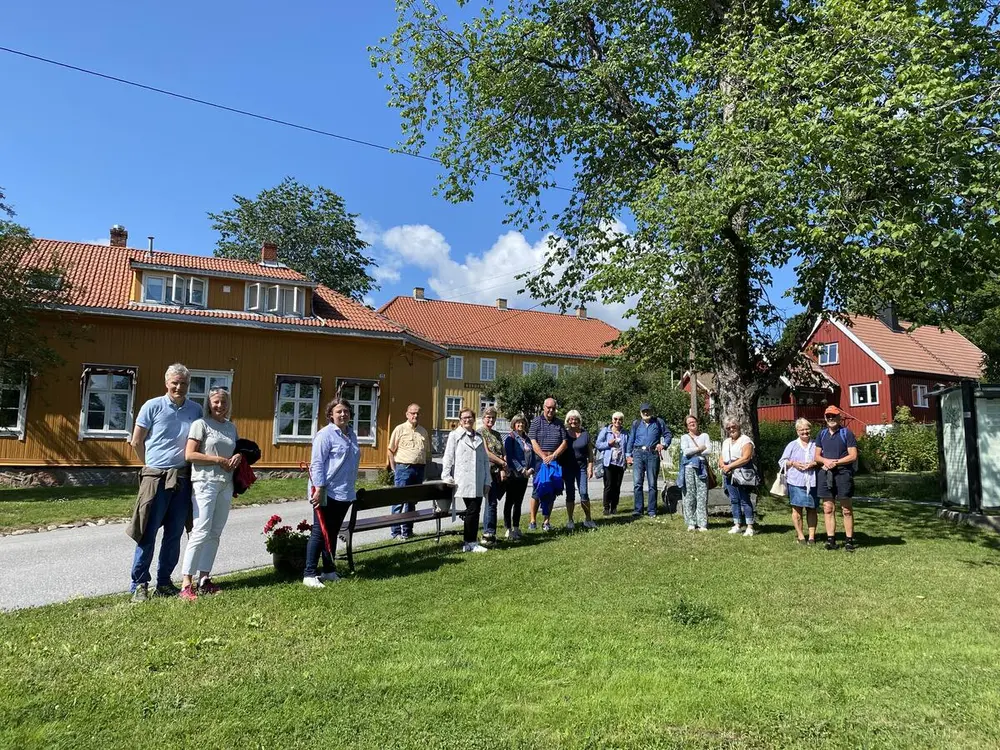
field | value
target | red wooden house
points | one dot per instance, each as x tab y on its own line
869	368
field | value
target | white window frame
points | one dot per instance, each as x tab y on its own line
269	299
227	375
449	401
173	282
459	362
296	399
528	367
485	373
919	393
823	355
146	278
551	369
570	368
17	431
376	387
86	433
869	386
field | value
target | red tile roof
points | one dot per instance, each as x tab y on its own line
924	349
101	277
461	324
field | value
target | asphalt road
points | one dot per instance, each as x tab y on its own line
59	565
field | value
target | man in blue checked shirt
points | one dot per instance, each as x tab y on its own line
647	439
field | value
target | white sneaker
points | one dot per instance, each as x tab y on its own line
749	531
331	576
570	525
589	525
690	528
474	547
312	582
703	528
735	529
509	535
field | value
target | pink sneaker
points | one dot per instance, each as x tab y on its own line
188	594
205	586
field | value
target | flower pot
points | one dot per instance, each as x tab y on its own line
289	565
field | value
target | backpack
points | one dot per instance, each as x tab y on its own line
843	436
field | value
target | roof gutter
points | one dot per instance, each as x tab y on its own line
260	326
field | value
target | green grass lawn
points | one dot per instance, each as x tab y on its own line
32	507
636	635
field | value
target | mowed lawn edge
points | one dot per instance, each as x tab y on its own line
40	507
635	635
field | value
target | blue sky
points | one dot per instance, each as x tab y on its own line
78	154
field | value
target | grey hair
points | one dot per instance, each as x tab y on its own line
618	415
490	411
178	370
229	401
574	413
731	421
802	422
518	418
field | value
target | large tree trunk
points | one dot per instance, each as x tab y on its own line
738	395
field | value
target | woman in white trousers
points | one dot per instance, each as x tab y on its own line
211	450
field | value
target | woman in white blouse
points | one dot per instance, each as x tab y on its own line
799	464
693	476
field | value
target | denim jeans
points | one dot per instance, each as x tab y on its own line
334	513
739	502
170	510
576	477
406	474
645	463
497	490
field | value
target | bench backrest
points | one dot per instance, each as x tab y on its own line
415	493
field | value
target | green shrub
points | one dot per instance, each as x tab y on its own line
909	446
774	436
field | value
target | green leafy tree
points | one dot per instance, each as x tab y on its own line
29	281
521	394
852	142
312	229
978	319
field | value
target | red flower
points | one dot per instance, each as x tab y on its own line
304	526
282	531
271	523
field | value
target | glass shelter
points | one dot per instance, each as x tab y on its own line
969	443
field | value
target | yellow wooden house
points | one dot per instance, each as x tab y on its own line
483	340
282	344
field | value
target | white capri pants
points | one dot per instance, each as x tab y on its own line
211	501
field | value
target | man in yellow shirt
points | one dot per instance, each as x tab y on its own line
409	453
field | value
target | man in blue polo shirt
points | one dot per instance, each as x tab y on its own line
836	453
647	439
159	438
549	441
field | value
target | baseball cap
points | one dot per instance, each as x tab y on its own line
832	410
645	406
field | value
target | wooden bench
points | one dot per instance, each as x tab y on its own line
434	496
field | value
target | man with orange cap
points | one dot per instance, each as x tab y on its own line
837	455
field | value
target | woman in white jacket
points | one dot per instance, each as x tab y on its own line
467	466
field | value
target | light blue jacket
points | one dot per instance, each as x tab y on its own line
606	449
334	465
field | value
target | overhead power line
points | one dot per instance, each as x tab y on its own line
243	112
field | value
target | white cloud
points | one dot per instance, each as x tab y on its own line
368	231
418	244
483	278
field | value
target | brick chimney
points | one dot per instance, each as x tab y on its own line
418	292
501	303
268	253
581	312
119	236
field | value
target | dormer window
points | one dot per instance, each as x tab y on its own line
276	299
173	289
